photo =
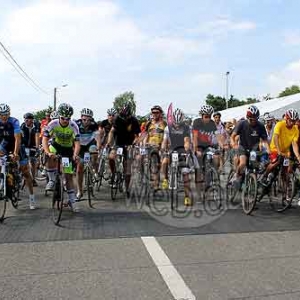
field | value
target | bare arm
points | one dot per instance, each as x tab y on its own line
17	143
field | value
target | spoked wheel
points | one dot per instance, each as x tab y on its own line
249	193
100	173
213	198
231	191
114	186
89	186
173	189
282	192
57	200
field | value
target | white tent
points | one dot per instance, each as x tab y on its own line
276	106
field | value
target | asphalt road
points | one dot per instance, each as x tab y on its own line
119	251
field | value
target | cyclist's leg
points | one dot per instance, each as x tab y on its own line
164	170
51	167
155	168
79	171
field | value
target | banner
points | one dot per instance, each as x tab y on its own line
170	115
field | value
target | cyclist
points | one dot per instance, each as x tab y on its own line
205	135
89	142
106	125
30	132
269	125
125	132
66	134
251	133
286	134
10	142
154	130
44	124
177	138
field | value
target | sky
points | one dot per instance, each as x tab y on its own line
162	50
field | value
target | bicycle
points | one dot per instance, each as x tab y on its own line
10	184
103	167
281	186
117	177
64	166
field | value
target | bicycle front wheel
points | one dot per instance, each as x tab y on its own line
57	200
249	193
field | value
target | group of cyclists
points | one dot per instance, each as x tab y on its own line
59	134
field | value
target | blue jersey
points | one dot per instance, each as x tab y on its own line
8	130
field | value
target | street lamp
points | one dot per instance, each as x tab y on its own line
55	90
227	75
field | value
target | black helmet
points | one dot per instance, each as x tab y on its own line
65	110
28	116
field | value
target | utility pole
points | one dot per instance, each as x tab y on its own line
227	74
54	102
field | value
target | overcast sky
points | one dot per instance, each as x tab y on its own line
162	50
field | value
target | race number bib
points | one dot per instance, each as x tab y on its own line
27	151
87	157
174	157
143	151
120	151
286	162
65	161
253	156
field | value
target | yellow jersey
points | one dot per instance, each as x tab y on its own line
156	132
285	136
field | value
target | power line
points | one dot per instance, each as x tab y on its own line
24	74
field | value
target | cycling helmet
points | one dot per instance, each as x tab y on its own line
4	109
217	113
87	112
292	114
126	110
206	110
252	112
54	115
157	107
178	116
112	111
268	117
28	116
65	110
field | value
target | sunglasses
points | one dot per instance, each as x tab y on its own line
155	112
65	119
111	115
206	116
86	120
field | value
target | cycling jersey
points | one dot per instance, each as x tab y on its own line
176	136
88	134
64	136
286	137
28	134
155	132
205	132
8	130
43	126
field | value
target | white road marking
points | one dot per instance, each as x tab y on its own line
172	278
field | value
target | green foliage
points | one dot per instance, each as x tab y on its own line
219	103
294	89
40	114
122	98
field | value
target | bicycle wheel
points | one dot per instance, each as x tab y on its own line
89	185
101	170
173	188
114	186
249	193
282	192
57	199
3	199
213	199
231	191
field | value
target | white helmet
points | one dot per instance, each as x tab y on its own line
4	109
87	112
292	114
178	116
54	115
206	110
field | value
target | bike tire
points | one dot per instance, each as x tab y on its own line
114	186
231	192
173	189
249	186
3	200
57	199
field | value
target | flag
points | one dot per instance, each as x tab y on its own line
170	115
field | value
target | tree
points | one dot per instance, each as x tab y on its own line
217	102
125	97
294	89
40	114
